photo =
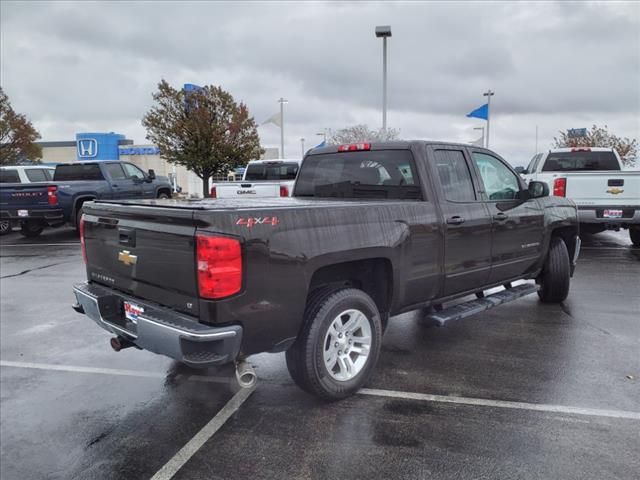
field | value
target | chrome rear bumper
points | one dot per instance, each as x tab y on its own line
159	329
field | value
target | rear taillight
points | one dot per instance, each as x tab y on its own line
52	195
354	147
213	192
219	262
560	187
284	191
82	244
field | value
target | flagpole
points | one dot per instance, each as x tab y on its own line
282	101
488	94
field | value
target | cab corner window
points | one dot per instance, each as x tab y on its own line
500	183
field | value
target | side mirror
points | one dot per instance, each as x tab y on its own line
521	170
538	189
152	174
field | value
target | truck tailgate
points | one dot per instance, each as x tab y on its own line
144	251
604	188
247	190
24	195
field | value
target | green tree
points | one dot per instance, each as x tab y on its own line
17	135
205	130
601	137
361	133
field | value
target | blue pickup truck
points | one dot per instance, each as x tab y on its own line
35	206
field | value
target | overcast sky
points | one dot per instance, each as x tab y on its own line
80	66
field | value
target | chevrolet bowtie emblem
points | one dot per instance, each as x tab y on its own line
615	190
125	257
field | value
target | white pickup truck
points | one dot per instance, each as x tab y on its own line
607	196
261	178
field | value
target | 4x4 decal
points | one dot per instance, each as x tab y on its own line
249	222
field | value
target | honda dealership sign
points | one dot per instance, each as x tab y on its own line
87	148
98	146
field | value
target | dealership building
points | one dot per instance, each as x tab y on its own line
91	147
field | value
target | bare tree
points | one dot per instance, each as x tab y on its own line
17	135
361	133
601	137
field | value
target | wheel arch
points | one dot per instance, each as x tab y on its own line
163	189
568	235
372	275
77	205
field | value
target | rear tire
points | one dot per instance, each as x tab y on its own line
5	227
31	229
555	277
634	234
339	344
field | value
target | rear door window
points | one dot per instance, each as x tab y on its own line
580	161
78	171
271	171
455	177
9	176
366	174
36	175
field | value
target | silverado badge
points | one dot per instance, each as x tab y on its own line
615	190
125	257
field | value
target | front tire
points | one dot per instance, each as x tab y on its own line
555	277
634	234
163	195
339	345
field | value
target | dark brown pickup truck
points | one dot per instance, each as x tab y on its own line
372	230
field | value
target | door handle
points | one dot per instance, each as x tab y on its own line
457	220
501	217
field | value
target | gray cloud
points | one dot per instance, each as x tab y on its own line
93	66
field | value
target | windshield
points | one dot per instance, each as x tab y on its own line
272	171
78	171
368	174
578	161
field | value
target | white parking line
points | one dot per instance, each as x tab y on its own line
538	407
193	445
37	244
108	371
200	438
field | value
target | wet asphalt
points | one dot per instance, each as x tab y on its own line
72	408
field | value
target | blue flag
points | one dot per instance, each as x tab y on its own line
480	112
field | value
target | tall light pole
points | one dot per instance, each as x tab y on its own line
302	143
282	101
384	31
488	94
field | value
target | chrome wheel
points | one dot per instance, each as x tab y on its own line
347	345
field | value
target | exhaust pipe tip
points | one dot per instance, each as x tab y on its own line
118	343
246	375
